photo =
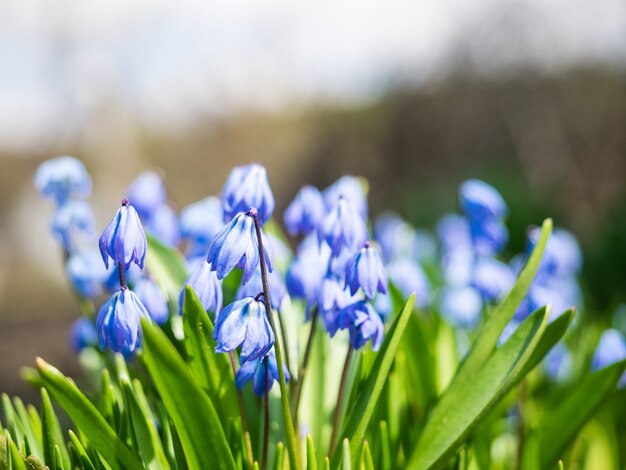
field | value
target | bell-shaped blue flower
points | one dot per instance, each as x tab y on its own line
489	236
164	225
247	187
245	323
259	371
332	298
409	277
61	178
118	323
83	334
206	285
453	231
199	223
276	285
480	201
461	306
86	273
343	227
351	188
492	278
124	240
71	220
147	193
365	270
305	212
307	270
153	298
236	245
395	237
562	256
363	323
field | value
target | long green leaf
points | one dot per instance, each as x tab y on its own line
166	266
460	410
85	461
194	416
361	411
52	434
559	427
85	415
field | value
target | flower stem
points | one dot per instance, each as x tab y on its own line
340	399
297	390
244	418
266	423
294	461
121	272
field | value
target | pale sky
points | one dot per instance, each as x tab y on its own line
167	63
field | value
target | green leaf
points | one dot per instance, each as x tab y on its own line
365	403
17	460
31	428
280	456
80	450
366	460
190	408
58	459
558	428
4	452
52	434
86	416
465	403
166	266
346	463
385	446
311	459
11	421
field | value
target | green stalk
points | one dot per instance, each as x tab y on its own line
340	398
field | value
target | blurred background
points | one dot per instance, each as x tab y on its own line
415	96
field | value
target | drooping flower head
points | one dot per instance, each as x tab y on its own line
489	236
86	273
199	223
395	237
118	323
259	371
206	285
481	201
307	270
245	323
343	227
236	245
305	212
365	270
83	334
147	193
332	298
350	188
153	298
363	324
163	224
71	220
247	187
124	240
409	277
62	178
276	285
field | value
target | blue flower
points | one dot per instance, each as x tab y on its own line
131	275
540	295
305	273
147	193
72	218
492	278
611	349
562	256
245	323
276	286
61	178
258	370
163	224
558	363
83	334
153	299
481	201
86	273
124	240
237	245
118	322
343	227
305	212
489	236
363	323
350	188
199	223
366	271
461	306
247	187
206	285
453	231
409	277
395	237
332	298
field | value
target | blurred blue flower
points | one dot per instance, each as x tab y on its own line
305	212
247	187
558	364
124	240
205	284
276	285
83	334
481	201
200	222
86	273
611	349
365	270
245	323
538	296
153	298
343	227
71	219
61	178
492	278
395	237
489	237
147	193
454	233
424	246
562	256
236	245
118	322
332	298
363	324
163	224
282	253
305	274
348	187
461	306
409	277
258	370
